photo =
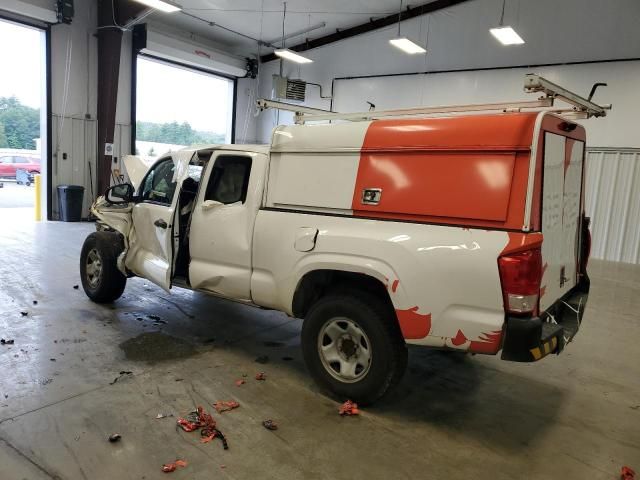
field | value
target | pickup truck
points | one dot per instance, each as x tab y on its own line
461	232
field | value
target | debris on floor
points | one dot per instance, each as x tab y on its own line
270	425
153	317
171	467
24	314
115	437
6	342
35	302
123	373
349	408
261	376
240	382
75	287
262	359
200	419
627	473
225	406
287	359
164	415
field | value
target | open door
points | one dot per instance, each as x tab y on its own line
151	248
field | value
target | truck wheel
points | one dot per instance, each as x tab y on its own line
101	279
353	347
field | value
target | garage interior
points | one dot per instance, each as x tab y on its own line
78	372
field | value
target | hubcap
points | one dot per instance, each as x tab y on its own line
94	268
344	349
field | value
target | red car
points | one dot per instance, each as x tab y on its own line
10	163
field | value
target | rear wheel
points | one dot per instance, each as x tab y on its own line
101	279
353	347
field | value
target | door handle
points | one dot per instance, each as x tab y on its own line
160	223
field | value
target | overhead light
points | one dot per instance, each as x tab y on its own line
162	5
506	36
406	45
291	55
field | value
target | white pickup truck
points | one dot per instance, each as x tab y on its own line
462	232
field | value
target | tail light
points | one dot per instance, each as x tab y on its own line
520	275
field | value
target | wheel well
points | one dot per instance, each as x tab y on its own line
318	283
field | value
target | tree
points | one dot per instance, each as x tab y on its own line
175	133
19	124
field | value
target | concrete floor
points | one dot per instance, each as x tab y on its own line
453	416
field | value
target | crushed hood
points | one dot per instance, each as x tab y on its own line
136	168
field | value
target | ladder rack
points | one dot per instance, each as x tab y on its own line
579	107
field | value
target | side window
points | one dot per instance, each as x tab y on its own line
6	160
19	160
158	186
229	179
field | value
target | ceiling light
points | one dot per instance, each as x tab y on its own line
406	45
506	36
163	5
291	55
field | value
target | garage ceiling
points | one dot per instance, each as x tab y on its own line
580	29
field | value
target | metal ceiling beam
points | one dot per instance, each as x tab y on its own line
374	24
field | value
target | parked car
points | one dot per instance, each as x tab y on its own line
465	233
10	163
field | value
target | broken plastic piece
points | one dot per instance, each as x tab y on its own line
164	415
349	408
115	437
24	314
261	376
270	425
225	406
6	342
240	382
627	473
76	287
171	467
200	419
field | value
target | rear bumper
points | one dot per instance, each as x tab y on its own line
533	338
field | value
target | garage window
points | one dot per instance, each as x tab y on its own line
179	106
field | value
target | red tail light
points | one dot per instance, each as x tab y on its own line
520	275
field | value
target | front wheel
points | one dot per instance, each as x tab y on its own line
101	279
353	347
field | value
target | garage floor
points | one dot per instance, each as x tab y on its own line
453	416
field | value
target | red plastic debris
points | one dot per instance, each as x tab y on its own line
240	382
627	473
349	408
261	376
171	467
200	419
224	406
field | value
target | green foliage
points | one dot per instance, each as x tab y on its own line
19	124
175	133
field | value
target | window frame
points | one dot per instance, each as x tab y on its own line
247	159
140	196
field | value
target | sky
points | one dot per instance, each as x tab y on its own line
167	93
21	74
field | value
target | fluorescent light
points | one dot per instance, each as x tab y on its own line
406	45
163	5
291	55
506	36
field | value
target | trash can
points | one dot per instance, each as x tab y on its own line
70	202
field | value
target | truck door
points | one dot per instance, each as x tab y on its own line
221	233
151	242
561	215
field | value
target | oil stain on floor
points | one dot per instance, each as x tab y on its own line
153	347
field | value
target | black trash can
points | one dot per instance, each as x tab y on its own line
70	202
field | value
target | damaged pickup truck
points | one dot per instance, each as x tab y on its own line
464	232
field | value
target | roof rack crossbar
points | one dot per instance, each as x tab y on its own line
580	107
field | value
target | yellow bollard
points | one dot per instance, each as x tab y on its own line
36	185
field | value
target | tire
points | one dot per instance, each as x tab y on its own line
345	314
103	283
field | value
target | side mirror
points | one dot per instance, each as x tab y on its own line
209	204
119	194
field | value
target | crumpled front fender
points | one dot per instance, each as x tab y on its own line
117	217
